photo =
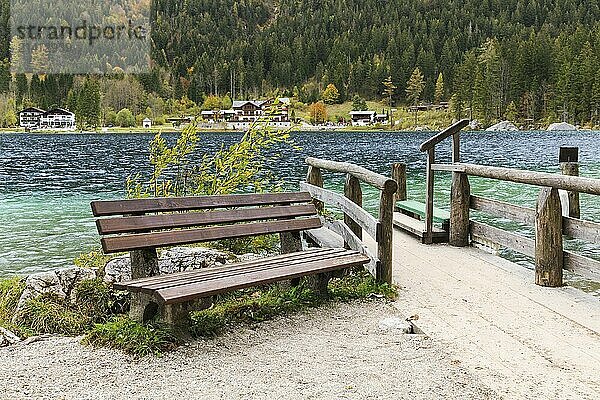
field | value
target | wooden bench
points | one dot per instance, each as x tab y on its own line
187	220
416	210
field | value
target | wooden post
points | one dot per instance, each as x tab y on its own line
548	239
314	177
353	192
399	175
428	239
385	239
456	147
459	211
569	165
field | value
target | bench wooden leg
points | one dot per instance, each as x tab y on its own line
318	284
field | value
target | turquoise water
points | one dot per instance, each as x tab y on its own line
47	181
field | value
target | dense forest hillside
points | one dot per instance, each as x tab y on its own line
497	58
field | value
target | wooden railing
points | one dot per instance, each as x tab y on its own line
429	147
356	219
550	225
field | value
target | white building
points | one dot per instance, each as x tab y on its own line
147	123
57	118
362	118
29	118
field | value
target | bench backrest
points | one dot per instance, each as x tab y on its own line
187	220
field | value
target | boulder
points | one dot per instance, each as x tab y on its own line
396	325
561	126
60	283
7	337
503	126
172	260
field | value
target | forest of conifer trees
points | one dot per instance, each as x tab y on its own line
521	60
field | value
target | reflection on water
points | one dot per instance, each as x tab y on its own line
47	181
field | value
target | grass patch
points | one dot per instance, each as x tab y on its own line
10	292
247	306
132	337
48	314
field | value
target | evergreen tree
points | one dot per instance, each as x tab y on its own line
439	89
359	104
414	89
389	90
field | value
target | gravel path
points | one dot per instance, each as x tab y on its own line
336	352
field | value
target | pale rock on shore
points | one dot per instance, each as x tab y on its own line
503	126
561	126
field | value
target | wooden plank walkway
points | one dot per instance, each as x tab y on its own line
523	340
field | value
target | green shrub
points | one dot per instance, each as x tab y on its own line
48	314
266	244
94	259
132	337
254	305
98	301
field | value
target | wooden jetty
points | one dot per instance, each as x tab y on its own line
523	332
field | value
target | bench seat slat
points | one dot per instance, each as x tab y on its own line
170	221
229	283
168	279
164	204
188	236
126	285
238	270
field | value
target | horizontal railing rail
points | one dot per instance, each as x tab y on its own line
356	219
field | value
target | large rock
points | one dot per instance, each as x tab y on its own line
561	126
60	283
502	126
175	259
7	337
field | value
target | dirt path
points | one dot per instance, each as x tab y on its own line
327	353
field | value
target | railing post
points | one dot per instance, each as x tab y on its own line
353	192
569	165
428	239
385	239
548	239
399	175
459	210
314	177
456	147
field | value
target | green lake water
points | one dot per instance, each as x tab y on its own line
48	181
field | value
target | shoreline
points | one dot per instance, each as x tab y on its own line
168	129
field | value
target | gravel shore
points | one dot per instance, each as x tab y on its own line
334	352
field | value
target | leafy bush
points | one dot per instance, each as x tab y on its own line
48	314
94	259
132	337
266	244
258	305
125	118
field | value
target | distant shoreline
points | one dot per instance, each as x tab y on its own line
171	129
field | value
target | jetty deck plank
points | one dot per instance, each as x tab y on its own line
416	228
417	208
523	340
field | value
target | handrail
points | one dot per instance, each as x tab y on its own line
546	179
381	182
355	220
451	130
